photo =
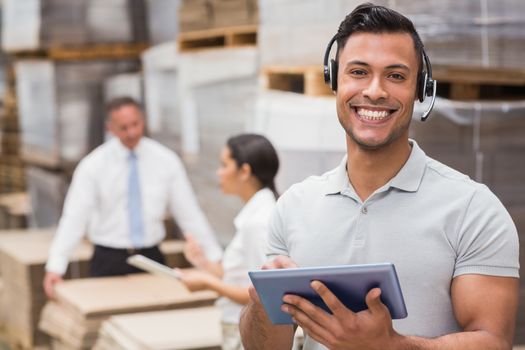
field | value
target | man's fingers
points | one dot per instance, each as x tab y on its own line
334	304
279	262
317	331
299	304
253	295
374	303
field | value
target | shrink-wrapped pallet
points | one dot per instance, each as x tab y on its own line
305	131
41	24
61	108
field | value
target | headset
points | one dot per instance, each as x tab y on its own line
425	84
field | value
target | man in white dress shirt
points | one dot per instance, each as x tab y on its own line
119	196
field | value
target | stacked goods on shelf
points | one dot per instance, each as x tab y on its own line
42	24
296	32
15	208
61	108
62	115
197	328
12	175
205	14
22	258
470	33
292	39
125	84
195	100
162	20
82	305
318	147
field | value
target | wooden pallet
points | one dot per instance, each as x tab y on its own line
478	83
307	80
218	38
83	53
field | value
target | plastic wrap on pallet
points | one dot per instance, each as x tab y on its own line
223	110
170	80
35	24
296	32
47	191
195	101
126	84
162	20
478	33
61	107
482	139
319	145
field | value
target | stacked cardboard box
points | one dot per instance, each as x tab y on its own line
22	258
15	209
35	24
82	305
196	328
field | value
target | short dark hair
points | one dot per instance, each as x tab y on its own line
370	18
118	102
258	152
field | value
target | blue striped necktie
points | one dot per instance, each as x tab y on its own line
136	224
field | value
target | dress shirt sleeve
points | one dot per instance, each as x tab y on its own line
188	214
78	206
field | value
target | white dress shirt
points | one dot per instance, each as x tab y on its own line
247	250
96	202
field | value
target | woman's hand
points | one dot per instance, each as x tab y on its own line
194	253
197	280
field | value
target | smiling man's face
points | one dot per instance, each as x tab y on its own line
376	88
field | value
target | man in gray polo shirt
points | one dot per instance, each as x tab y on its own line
454	245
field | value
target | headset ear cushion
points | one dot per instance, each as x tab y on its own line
422	86
333	75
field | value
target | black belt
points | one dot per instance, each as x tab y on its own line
128	251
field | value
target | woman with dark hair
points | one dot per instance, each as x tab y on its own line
249	164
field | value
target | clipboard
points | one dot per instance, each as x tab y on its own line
151	266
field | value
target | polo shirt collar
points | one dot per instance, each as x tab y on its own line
337	181
407	179
411	174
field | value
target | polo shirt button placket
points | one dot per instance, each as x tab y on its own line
364	210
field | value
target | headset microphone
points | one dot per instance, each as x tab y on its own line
426	86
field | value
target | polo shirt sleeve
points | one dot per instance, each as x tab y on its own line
488	240
276	243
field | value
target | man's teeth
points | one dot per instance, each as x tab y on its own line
372	115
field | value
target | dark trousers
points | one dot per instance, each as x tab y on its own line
112	262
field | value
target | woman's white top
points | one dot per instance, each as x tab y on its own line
247	250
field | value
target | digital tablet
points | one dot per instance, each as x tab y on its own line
151	266
350	283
